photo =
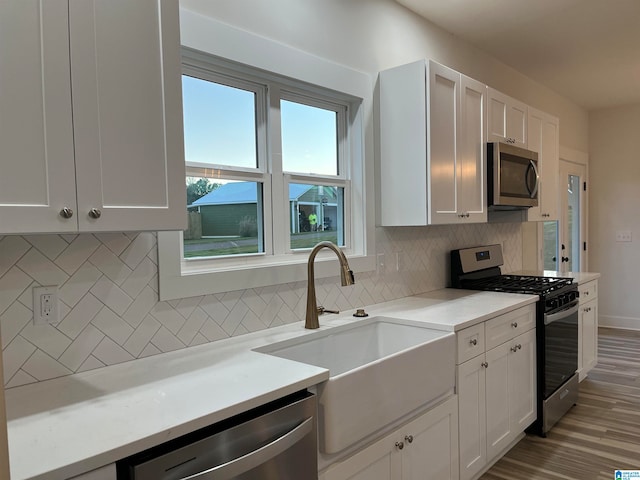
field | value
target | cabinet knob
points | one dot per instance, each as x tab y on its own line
66	212
409	438
95	213
399	445
514	324
473	342
586	293
484	364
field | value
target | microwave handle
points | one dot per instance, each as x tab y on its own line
532	165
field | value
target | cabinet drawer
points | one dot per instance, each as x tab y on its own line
470	342
588	291
505	327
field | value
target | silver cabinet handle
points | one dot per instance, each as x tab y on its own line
484	364
473	342
516	348
409	438
514	324
66	212
95	213
243	464
399	445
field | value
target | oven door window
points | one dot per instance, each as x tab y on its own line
561	350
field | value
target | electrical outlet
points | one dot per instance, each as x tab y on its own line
380	258
400	262
45	305
623	236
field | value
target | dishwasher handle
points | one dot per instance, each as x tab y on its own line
253	459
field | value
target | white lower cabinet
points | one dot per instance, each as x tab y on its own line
587	328
496	390
424	448
108	472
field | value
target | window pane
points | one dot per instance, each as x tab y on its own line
309	139
550	250
316	214
224	218
219	123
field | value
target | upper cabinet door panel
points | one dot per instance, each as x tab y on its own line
125	66
507	119
444	85
37	167
472	149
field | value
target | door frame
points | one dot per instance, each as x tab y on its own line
571	157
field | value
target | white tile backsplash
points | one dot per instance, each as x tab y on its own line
109	306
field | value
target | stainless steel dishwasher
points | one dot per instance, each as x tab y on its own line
276	441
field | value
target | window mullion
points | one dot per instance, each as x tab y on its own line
279	203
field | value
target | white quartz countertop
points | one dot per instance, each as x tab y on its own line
70	425
578	277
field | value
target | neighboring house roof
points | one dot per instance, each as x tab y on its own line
244	192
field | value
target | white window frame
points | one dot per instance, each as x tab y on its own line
179	278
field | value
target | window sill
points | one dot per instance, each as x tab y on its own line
178	281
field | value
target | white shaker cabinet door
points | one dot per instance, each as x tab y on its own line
472	417
499	432
443	99
543	138
522	381
472	151
507	119
37	178
127	110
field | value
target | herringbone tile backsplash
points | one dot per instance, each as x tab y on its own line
109	306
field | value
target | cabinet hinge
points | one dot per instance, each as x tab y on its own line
584	186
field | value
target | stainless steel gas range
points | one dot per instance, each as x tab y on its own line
478	268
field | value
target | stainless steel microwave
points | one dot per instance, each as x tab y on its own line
512	177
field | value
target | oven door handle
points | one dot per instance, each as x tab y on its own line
554	317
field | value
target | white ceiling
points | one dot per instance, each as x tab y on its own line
586	50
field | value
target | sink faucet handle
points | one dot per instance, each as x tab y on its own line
322	310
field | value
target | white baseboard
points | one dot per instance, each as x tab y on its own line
612	321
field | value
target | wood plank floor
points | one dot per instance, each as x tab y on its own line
597	436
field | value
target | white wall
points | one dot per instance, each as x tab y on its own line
372	35
614	203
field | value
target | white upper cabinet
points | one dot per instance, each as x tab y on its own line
37	176
90	116
544	138
507	119
432	142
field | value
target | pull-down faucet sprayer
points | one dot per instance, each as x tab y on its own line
346	278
